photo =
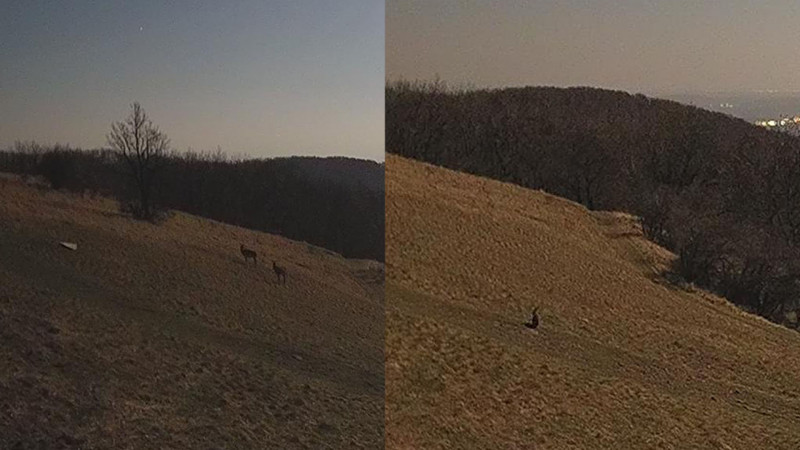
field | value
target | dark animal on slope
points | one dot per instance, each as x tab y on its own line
247	253
280	272
534	320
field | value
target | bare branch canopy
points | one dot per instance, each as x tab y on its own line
141	145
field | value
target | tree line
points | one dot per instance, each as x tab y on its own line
722	194
335	203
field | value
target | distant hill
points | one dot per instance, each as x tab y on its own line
718	191
621	359
581	143
162	336
342	170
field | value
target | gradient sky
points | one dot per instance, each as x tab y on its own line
652	47
265	78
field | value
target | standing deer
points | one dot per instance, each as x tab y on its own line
247	253
534	321
279	272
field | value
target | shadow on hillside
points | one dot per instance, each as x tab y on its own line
676	283
672	280
113	214
624	234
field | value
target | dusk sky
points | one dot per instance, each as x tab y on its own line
265	78
634	45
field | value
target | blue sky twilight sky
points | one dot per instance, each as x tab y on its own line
265	78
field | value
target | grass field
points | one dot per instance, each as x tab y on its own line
163	337
622	359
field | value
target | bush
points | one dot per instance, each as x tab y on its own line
58	168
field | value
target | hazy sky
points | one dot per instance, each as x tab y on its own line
633	45
267	78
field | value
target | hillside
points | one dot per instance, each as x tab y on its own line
163	337
334	202
717	191
622	359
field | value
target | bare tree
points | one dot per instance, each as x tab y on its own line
141	145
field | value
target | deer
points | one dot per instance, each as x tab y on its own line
279	272
534	320
247	253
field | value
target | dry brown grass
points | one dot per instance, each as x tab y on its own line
621	359
162	337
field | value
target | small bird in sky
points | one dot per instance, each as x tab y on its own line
141	28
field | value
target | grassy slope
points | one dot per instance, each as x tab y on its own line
162	337
621	359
